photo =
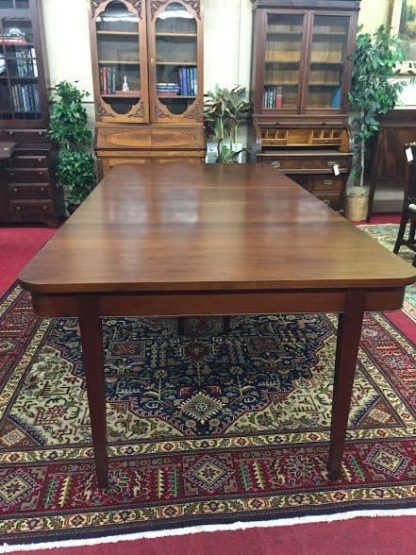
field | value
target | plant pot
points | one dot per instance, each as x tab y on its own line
356	208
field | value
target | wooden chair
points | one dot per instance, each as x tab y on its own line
408	216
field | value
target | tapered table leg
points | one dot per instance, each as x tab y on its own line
349	333
92	355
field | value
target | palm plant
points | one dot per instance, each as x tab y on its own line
224	109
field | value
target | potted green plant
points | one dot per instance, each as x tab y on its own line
224	110
373	92
75	169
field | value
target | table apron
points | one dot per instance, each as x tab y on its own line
207	303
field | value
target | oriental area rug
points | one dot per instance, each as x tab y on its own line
386	235
205	427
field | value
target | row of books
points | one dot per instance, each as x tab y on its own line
26	63
273	98
25	98
188	81
167	89
108	79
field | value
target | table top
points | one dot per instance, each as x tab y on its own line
6	149
184	227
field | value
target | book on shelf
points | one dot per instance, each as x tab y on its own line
188	81
273	98
25	99
167	89
26	63
108	80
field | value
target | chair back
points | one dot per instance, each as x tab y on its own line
410	173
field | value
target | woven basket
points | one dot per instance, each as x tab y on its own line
356	209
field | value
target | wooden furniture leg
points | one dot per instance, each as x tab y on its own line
92	355
400	234
349	333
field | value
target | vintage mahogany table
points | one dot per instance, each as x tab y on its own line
181	239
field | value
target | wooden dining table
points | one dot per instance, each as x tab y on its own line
195	239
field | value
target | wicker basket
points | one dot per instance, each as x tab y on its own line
356	209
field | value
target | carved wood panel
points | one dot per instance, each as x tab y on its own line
155	5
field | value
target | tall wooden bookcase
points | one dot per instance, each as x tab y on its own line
27	189
147	63
301	74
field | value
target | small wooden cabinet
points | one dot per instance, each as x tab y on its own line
388	166
27	188
301	77
147	60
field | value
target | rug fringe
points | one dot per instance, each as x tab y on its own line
235	526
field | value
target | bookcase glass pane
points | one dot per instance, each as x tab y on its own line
14	4
282	61
176	58
118	51
328	56
5	102
17	31
19	78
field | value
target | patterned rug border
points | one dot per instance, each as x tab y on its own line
208	522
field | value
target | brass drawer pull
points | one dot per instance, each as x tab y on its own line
18	208
331	164
42	189
328	181
276	165
45	207
15	190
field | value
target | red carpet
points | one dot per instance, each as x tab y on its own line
17	246
358	536
370	536
385	219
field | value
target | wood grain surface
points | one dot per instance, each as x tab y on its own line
219	227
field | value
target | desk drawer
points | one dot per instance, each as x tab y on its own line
31	208
169	137
26	135
329	189
29	190
32	161
333	200
28	175
326	184
307	164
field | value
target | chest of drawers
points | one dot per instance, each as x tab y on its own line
28	193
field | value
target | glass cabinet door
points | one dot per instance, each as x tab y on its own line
174	62
284	37
19	82
121	62
327	63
